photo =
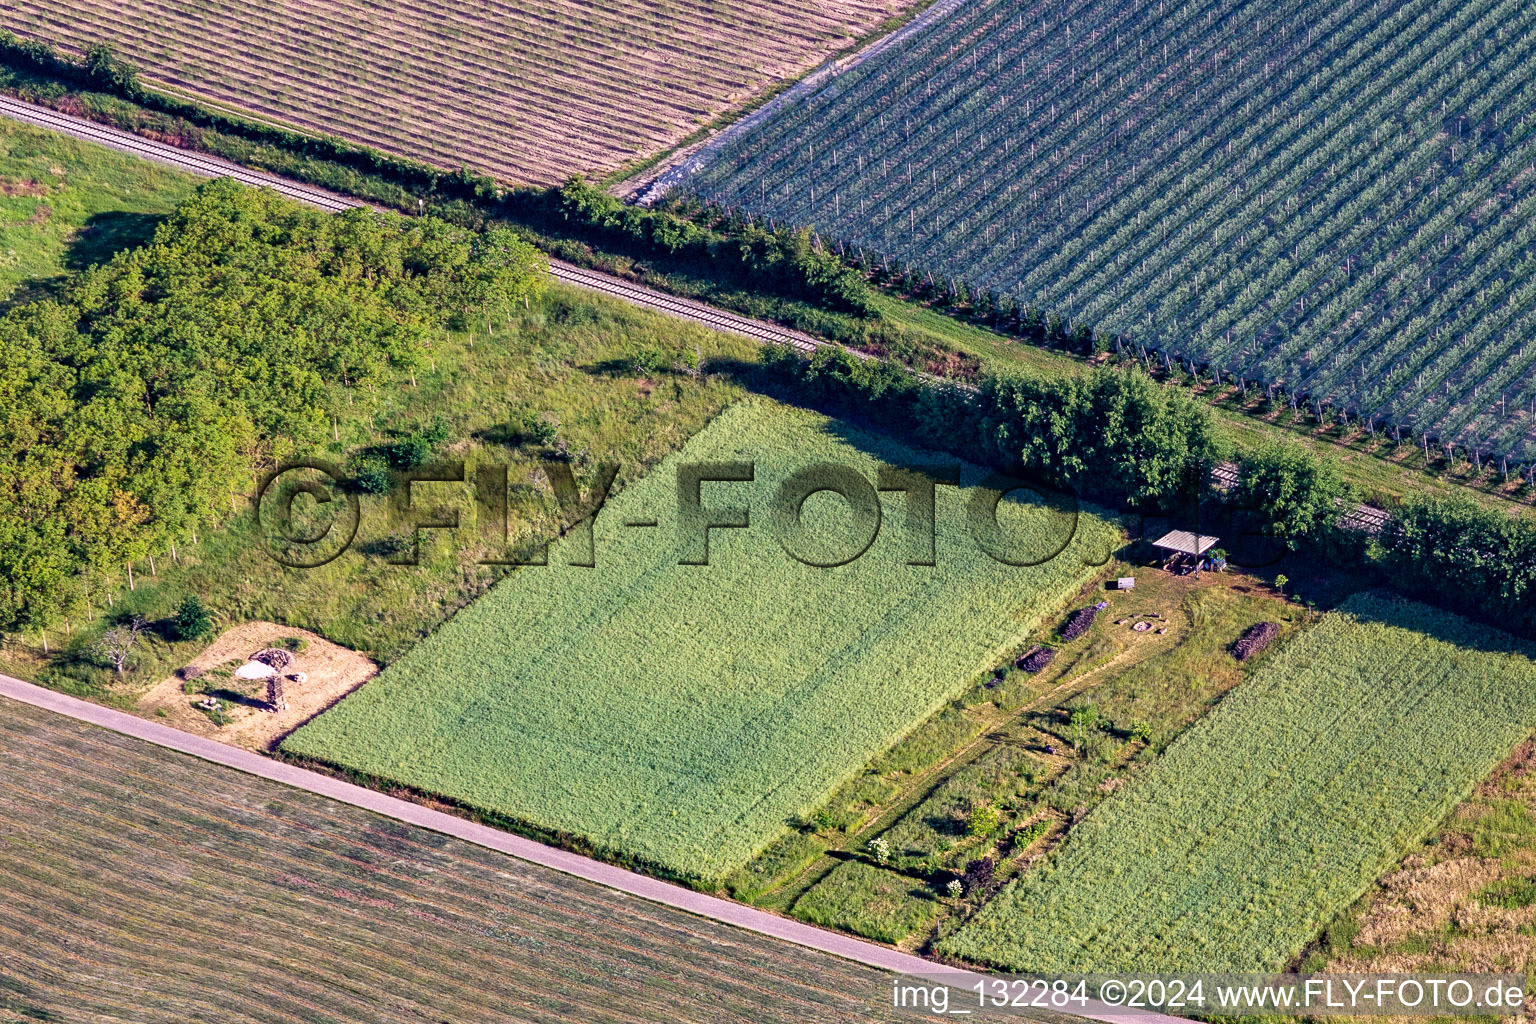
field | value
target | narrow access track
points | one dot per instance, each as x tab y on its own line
643	886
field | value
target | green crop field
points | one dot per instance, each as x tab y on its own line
144	885
1333	197
682	715
1279	807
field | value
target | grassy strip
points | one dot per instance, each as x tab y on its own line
883	905
66	205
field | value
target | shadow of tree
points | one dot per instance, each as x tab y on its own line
106	234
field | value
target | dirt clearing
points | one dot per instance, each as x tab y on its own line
329	672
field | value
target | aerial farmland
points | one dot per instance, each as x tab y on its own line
1330	199
528	94
786	678
715	511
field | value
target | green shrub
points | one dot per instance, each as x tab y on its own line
192	621
538	429
984	821
370	474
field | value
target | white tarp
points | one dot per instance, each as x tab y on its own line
255	670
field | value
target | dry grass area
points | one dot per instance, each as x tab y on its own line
1464	901
330	670
525	92
144	885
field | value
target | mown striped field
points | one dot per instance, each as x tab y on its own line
527	93
1334	197
145	885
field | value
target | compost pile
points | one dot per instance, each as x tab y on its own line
1078	622
1255	640
1035	660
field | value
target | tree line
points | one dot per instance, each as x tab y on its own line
137	402
1117	436
1112	435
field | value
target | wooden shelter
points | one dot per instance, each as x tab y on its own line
1185	543
1186	551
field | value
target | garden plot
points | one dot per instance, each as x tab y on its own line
1279	807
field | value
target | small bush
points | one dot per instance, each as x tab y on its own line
979	875
540	430
370	474
409	452
1027	835
188	672
984	821
648	362
192	621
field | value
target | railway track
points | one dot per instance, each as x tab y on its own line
1224	476
686	309
163	153
213	167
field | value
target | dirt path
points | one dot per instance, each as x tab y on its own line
645	887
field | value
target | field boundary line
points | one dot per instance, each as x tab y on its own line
811	84
642	886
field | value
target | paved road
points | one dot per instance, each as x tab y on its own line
517	846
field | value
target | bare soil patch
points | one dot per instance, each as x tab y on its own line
330	672
29	188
